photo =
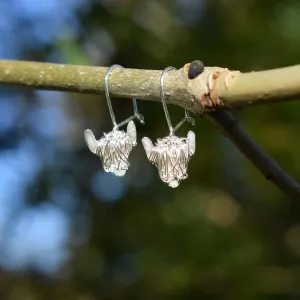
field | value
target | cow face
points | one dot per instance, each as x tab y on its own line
113	148
171	155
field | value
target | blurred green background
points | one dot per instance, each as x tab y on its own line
68	230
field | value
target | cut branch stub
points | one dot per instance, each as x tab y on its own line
204	87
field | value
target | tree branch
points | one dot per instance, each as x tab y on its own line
212	88
264	87
246	89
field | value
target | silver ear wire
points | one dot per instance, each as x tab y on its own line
171	154
162	95
114	147
136	114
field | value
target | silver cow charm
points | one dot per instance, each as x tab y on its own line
171	156
113	148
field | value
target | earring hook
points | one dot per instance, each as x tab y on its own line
162	95
136	115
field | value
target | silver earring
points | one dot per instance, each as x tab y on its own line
171	154
114	147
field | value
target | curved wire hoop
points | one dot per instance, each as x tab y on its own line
136	115
162	95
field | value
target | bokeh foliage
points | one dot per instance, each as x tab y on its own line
70	231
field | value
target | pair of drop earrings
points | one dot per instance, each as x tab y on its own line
170	154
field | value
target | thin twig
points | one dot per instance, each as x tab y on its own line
231	128
268	166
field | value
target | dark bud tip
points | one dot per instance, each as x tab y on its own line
195	69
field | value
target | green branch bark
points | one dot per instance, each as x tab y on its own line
246	89
264	87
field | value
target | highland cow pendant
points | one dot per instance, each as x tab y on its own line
171	156
113	148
